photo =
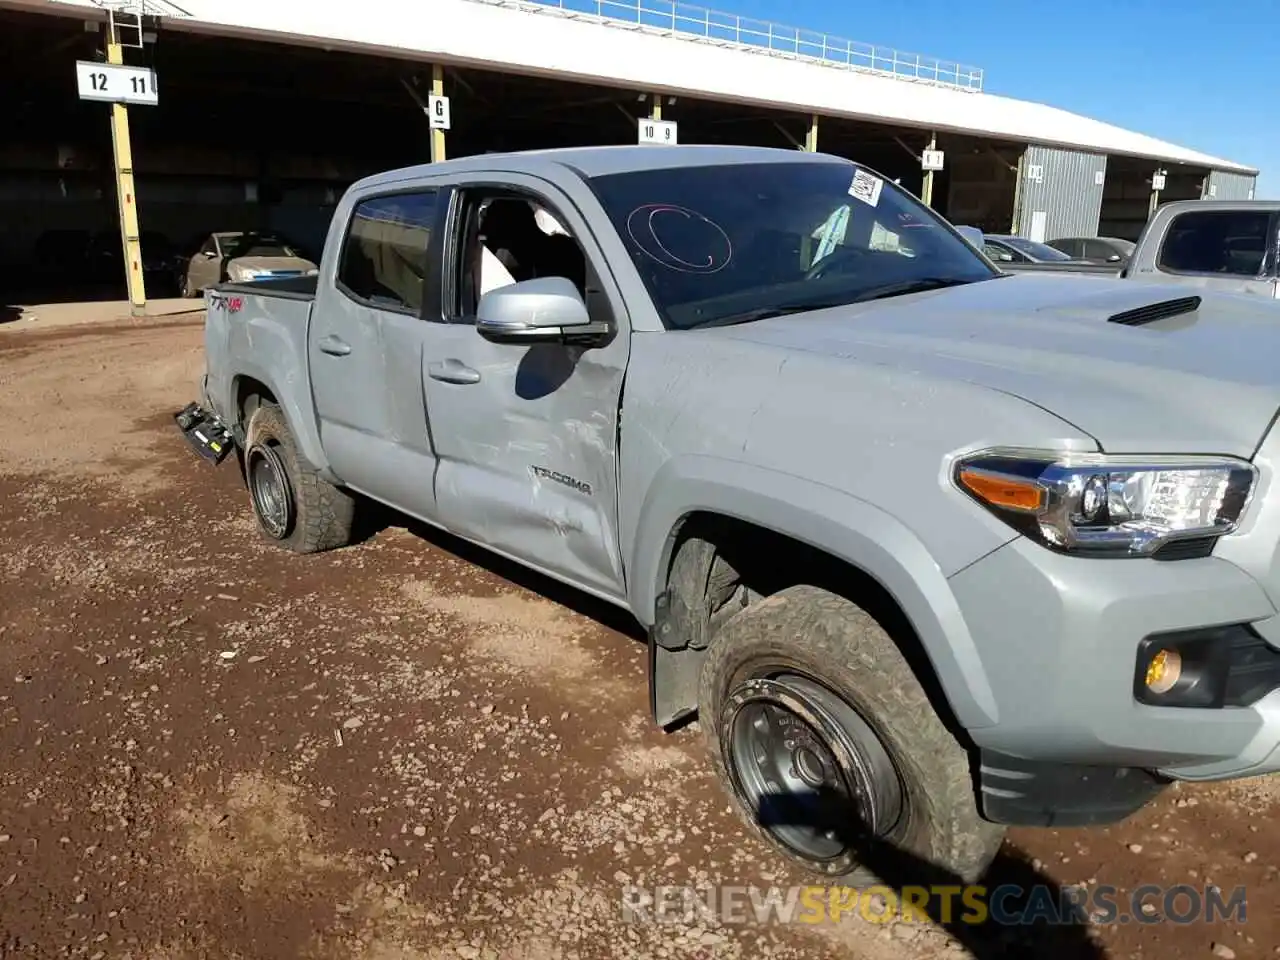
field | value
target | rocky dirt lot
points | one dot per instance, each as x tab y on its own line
404	749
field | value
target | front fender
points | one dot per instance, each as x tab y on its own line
829	520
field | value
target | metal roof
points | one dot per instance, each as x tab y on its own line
667	49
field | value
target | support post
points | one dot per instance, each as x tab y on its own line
437	136
126	197
655	108
926	190
811	138
1016	224
1155	195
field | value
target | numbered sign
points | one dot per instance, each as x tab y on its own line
1099	178
438	112
1157	182
931	160
658	131
117	83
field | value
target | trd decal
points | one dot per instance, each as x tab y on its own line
230	304
545	474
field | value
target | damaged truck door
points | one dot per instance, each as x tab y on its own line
525	426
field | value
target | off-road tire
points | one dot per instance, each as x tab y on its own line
323	515
813	632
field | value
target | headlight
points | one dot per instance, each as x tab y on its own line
1109	505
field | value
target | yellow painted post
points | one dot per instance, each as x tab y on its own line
437	136
811	138
655	111
126	198
926	191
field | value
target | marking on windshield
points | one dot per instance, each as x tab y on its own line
866	187
657	227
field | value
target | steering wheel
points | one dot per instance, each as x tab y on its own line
841	255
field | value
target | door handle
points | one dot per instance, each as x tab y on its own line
453	371
334	346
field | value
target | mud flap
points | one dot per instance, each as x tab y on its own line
673	673
204	433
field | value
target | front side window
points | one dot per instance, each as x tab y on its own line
722	244
384	255
1227	242
505	238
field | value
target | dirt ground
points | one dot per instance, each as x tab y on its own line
404	749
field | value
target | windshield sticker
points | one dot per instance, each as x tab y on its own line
679	238
866	187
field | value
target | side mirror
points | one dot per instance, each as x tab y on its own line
973	235
548	309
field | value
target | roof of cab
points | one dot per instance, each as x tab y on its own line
601	161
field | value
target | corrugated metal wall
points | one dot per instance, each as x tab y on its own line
1060	194
1229	186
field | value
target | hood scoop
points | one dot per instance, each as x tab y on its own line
1152	312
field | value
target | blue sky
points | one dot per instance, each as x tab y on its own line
1196	73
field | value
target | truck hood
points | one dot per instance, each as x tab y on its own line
1204	381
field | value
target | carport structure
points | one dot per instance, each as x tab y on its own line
269	110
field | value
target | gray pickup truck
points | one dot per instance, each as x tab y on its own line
928	549
1231	246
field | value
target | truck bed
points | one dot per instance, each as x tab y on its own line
290	288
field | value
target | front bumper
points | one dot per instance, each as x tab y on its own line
1058	637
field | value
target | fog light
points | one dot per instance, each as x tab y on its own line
1163	671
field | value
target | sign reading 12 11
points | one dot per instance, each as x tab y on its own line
117	83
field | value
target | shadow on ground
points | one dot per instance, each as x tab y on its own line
1028	913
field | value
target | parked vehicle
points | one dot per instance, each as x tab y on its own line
1004	248
1224	245
929	548
243	256
1096	249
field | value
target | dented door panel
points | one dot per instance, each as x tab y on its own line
527	451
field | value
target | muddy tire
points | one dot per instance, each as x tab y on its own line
830	749
294	507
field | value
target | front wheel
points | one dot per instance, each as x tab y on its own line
829	747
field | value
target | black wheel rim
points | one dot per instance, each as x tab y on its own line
811	770
270	490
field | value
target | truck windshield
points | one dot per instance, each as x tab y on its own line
722	244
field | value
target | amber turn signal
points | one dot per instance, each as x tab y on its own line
1003	491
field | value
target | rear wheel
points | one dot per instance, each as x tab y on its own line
829	747
293	505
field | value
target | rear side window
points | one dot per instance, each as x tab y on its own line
384	254
1225	242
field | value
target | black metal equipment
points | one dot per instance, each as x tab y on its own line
205	433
